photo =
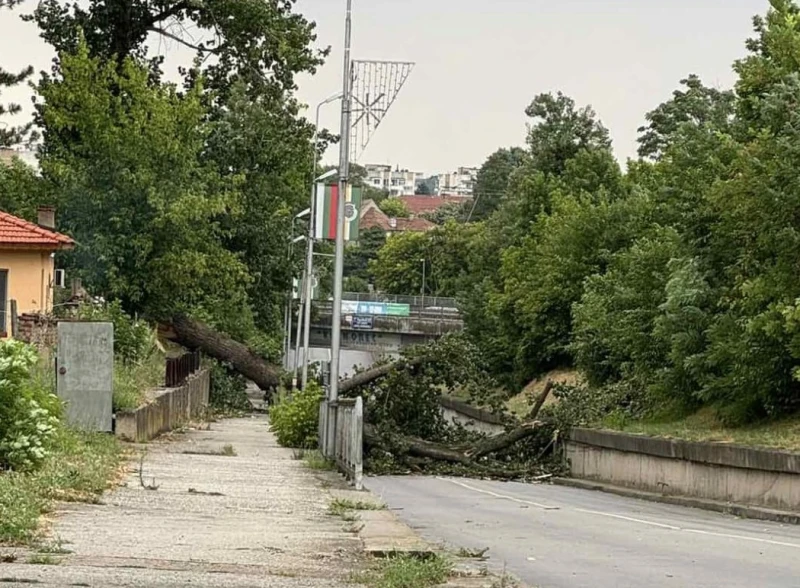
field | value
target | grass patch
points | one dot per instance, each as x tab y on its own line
79	469
407	572
43	559
341	506
225	451
704	426
315	461
132	381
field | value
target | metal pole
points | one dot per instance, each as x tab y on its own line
423	284
309	287
289	304
344	171
299	331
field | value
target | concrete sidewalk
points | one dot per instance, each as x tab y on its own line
256	519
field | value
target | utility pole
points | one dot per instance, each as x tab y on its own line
344	173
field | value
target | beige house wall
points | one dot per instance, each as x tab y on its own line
30	280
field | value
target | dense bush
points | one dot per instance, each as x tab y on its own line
295	418
134	339
28	410
228	389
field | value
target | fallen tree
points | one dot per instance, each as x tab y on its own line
399	391
193	334
473	456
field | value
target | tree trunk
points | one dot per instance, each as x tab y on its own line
373	374
195	335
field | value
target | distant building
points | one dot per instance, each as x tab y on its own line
7	156
396	182
373	217
458	183
419	205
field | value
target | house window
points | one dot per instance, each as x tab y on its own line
3	301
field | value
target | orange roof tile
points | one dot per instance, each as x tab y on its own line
421	204
18	233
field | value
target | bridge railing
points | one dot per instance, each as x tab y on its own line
413	301
442	313
341	436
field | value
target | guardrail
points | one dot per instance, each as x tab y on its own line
419	301
178	369
433	313
341	436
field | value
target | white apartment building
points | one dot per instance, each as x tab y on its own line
395	181
458	183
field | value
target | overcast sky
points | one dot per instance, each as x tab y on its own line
480	62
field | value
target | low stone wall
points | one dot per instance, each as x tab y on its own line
722	472
169	410
471	418
38	329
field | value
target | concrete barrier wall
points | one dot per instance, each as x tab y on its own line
723	472
471	418
169	410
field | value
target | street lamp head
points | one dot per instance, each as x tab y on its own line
336	96
298	239
327	174
304	213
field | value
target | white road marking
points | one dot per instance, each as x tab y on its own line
629	519
623	517
695	531
501	496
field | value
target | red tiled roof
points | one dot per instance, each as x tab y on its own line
421	204
18	233
415	225
376	218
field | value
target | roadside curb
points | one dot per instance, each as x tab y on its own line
738	510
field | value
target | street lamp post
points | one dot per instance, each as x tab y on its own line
423	284
300	215
307	279
287	318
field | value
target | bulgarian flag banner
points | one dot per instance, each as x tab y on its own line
326	205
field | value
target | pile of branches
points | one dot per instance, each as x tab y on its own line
405	431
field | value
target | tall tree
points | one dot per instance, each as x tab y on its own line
493	179
559	131
260	41
12	135
695	106
135	193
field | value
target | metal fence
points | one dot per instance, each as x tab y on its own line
413	301
178	369
341	436
427	312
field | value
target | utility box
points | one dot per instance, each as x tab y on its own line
85	374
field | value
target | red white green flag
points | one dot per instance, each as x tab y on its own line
326	205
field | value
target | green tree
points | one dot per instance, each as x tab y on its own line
357	256
559	131
395	208
424	189
12	135
134	193
493	179
22	190
260	43
695	106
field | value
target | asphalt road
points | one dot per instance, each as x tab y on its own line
558	537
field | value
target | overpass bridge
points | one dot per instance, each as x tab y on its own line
374	326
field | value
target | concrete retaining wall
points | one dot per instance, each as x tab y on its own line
471	418
169	410
728	473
